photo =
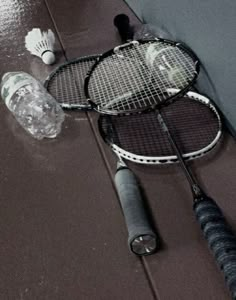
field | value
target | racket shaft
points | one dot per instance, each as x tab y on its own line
220	238
133	206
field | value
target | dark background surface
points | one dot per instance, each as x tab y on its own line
62	233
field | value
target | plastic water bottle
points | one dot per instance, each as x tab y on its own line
36	110
149	32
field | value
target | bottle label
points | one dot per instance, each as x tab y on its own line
14	85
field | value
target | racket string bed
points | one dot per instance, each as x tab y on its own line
141	134
192	125
120	93
176	58
130	80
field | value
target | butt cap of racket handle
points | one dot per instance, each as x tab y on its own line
220	238
142	239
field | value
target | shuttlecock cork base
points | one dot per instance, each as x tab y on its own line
41	44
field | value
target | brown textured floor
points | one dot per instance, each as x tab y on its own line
62	233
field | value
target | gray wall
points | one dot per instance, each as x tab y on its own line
209	28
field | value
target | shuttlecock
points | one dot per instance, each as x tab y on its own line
41	44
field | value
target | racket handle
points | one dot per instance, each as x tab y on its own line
220	238
125	30
142	239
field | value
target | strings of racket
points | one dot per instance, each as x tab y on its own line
137	77
194	125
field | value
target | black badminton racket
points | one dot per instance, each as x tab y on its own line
66	83
151	75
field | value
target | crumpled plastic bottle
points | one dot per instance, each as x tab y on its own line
149	32
33	107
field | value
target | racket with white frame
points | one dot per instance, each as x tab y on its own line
139	138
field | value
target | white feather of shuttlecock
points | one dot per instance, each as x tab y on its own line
41	44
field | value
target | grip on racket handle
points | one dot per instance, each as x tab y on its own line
220	238
125	30
142	239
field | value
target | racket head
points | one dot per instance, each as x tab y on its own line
137	76
66	83
193	120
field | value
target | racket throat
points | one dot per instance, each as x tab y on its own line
197	192
121	164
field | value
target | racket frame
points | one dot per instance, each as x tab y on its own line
115	50
153	160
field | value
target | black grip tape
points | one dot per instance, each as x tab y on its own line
220	238
132	204
125	30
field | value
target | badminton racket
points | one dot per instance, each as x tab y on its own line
139	138
152	75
